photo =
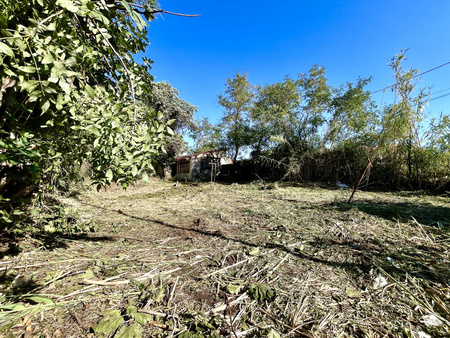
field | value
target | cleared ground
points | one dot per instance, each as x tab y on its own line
238	261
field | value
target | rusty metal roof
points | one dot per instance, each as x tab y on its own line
186	157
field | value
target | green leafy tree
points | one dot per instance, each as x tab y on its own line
353	118
300	119
293	114
206	136
437	153
439	134
177	113
295	110
274	115
165	98
71	92
401	120
288	116
316	97
236	101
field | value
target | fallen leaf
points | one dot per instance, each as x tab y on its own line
353	293
234	289
254	252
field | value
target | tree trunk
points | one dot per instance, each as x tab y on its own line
235	154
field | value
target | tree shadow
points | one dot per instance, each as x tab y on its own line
47	240
421	256
423	261
424	213
10	248
54	240
13	284
370	254
220	235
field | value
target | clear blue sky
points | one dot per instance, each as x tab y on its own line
272	39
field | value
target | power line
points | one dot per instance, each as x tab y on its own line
440	91
438	97
427	71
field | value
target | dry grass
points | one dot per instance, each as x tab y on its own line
187	256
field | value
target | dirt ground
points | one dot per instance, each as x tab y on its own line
253	260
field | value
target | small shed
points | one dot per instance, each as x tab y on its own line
200	166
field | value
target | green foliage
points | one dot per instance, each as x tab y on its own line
109	323
200	326
262	292
401	120
295	121
206	136
434	159
273	334
178	114
292	115
316	97
12	312
439	134
274	114
132	331
352	116
399	139
51	219
59	219
305	129
71	92
236	100
114	322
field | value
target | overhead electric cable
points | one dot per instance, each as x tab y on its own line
427	71
440	91
438	97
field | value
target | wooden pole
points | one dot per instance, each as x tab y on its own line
213	171
369	165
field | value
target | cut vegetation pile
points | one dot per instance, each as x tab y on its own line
235	260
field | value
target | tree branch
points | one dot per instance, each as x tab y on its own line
145	11
171	13
124	66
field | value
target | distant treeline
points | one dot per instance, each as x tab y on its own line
341	165
305	130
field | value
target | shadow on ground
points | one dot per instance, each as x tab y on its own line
424	213
11	245
367	254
